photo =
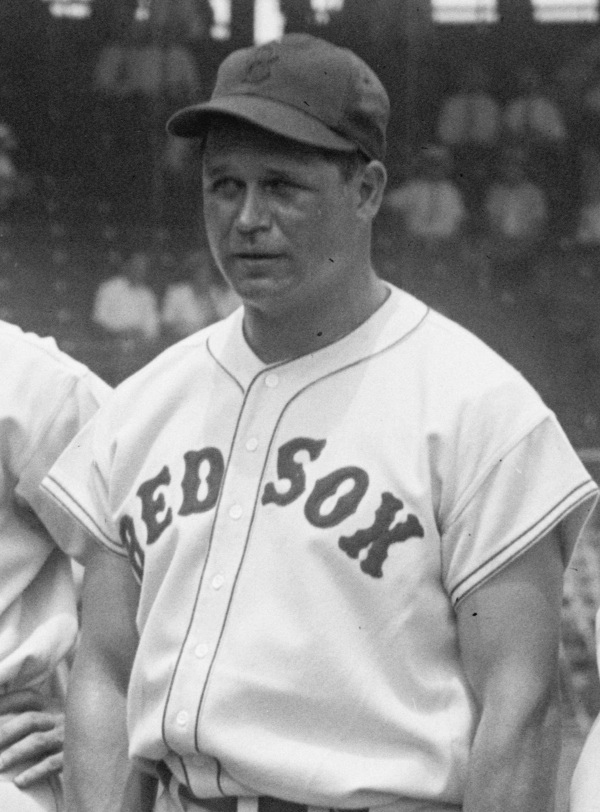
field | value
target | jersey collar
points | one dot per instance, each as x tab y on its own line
394	321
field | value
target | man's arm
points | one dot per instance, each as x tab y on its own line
98	775
509	631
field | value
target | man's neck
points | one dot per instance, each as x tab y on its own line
292	335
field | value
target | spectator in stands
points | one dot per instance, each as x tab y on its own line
8	170
198	300
125	305
469	125
588	224
534	119
430	203
431	208
13	184
516	211
152	57
532	114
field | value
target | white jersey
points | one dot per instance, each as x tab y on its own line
303	533
45	398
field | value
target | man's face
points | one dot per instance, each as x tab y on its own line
279	218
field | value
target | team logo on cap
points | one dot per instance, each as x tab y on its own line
259	68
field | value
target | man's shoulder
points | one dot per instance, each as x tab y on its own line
25	348
44	387
452	339
458	360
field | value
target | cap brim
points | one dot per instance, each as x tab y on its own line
273	116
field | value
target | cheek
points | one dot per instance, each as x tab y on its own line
210	211
214	235
326	233
216	219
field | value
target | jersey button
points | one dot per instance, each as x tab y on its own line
182	718
201	650
235	511
271	380
218	581
251	444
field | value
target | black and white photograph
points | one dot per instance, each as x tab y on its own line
299	405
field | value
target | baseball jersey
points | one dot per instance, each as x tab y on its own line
45	398
302	533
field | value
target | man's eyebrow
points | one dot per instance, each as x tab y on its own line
213	169
285	174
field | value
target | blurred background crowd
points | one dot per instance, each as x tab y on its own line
492	213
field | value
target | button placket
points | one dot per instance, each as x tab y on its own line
235	510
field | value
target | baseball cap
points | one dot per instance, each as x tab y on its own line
301	87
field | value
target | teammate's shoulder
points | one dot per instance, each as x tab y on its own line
33	347
36	367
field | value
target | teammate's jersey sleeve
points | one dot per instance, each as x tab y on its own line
531	484
45	399
85	464
78	403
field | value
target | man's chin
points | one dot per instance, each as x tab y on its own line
261	286
266	297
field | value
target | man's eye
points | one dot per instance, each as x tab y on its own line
278	186
225	186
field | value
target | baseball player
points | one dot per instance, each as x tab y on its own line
326	535
45	398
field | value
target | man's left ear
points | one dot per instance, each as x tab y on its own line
372	181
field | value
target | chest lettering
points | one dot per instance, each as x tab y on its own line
332	500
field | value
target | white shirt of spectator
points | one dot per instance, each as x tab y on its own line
517	211
431	208
535	115
185	310
121	307
469	118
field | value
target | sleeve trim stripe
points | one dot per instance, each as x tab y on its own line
463	501
528	537
54	489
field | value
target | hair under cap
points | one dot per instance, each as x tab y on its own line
300	87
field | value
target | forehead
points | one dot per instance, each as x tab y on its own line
229	140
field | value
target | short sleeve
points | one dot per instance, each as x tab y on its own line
76	494
538	483
79	403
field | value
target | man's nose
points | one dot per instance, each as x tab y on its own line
253	213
